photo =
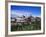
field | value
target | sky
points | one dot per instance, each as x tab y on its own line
25	10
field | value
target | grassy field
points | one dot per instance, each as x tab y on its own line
26	27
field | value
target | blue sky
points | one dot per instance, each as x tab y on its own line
25	10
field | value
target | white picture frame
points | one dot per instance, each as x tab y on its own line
25	32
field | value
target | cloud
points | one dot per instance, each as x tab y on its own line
20	13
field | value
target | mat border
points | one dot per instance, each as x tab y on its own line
6	17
